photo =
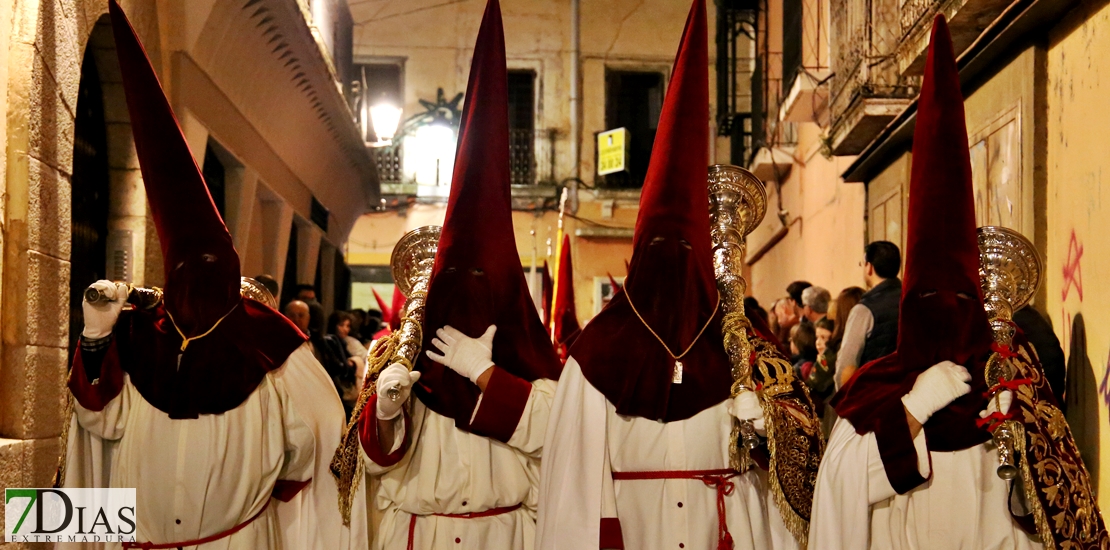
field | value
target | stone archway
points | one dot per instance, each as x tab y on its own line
89	197
48	40
108	243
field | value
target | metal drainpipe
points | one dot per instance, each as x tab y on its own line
575	110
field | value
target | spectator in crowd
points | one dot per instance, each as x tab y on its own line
803	346
332	354
358	318
823	328
794	293
815	303
871	330
785	318
297	312
820	377
270	283
306	293
1040	334
340	325
751	305
842	307
370	326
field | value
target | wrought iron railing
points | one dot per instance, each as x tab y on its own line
865	35
912	11
388	161
523	160
522	157
792	29
850	46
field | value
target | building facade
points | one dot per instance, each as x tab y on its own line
1033	84
411	53
256	85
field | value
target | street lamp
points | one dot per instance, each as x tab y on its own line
385	118
430	157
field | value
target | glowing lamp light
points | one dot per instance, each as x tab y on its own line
385	118
430	159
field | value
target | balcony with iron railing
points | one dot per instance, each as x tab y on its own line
531	171
966	21
867	89
878	54
773	139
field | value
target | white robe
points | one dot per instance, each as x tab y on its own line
197	477
449	471
587	441
962	506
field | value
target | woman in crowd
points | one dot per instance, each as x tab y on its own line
332	354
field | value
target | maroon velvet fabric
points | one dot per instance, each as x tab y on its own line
217	372
503	404
368	436
611	536
220	370
477	280
109	383
285	490
942	316
670	278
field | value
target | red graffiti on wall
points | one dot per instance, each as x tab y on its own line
1073	272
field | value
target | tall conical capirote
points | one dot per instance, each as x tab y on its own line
941	314
199	260
478	279
667	312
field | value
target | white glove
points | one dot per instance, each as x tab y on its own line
745	406
935	388
467	356
101	317
1000	403
394	376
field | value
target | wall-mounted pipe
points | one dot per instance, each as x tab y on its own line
575	108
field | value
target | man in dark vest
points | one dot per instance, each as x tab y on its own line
872	327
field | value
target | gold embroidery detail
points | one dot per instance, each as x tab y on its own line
1057	487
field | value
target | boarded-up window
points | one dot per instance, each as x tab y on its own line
996	171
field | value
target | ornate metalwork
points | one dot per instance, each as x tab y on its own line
411	265
1009	272
251	288
737	204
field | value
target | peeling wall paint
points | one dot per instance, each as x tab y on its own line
1078	234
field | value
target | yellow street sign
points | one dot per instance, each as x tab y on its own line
612	151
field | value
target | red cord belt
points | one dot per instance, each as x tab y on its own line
715	479
468	515
197	542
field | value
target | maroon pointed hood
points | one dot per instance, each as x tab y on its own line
247	339
941	316
670	290
478	280
199	260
